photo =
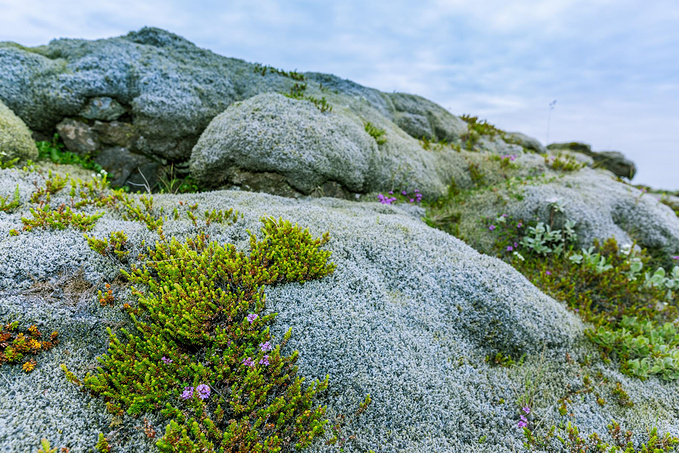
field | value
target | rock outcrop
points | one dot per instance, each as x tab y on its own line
15	138
163	91
614	161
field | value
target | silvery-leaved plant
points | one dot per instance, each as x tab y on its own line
542	240
591	260
662	279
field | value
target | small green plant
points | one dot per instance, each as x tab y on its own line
116	246
53	184
59	219
102	445
54	150
294	75
297	92
45	447
563	162
6	206
142	213
170	183
374	132
4	165
477	176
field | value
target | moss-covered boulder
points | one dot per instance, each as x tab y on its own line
15	138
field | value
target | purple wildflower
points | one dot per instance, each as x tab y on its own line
166	361
519	225
524	422
510	248
404	193
203	391
516	245
526	409
264	361
412	200
252	316
188	393
675	257
265	347
391	192
491	228
248	362
548	273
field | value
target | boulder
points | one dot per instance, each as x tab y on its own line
529	143
614	161
288	147
15	138
422	118
273	133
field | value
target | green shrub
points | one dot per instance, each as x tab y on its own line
374	132
59	219
201	352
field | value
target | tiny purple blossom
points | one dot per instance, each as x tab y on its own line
188	393
252	316
248	362
548	273
412	200
526	409
519	225
416	191
264	361
391	192
491	228
524	422
203	391
404	193
516	245
510	248
265	347
166	361
675	257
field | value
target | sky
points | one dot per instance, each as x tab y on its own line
611	65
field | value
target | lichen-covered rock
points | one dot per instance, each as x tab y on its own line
613	161
422	118
286	147
167	88
525	141
15	138
273	133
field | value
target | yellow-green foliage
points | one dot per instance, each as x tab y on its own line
563	162
53	184
476	129
374	132
116	245
12	205
59	219
143	213
199	325
45	447
102	445
16	345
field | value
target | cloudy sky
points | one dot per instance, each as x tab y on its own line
611	65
